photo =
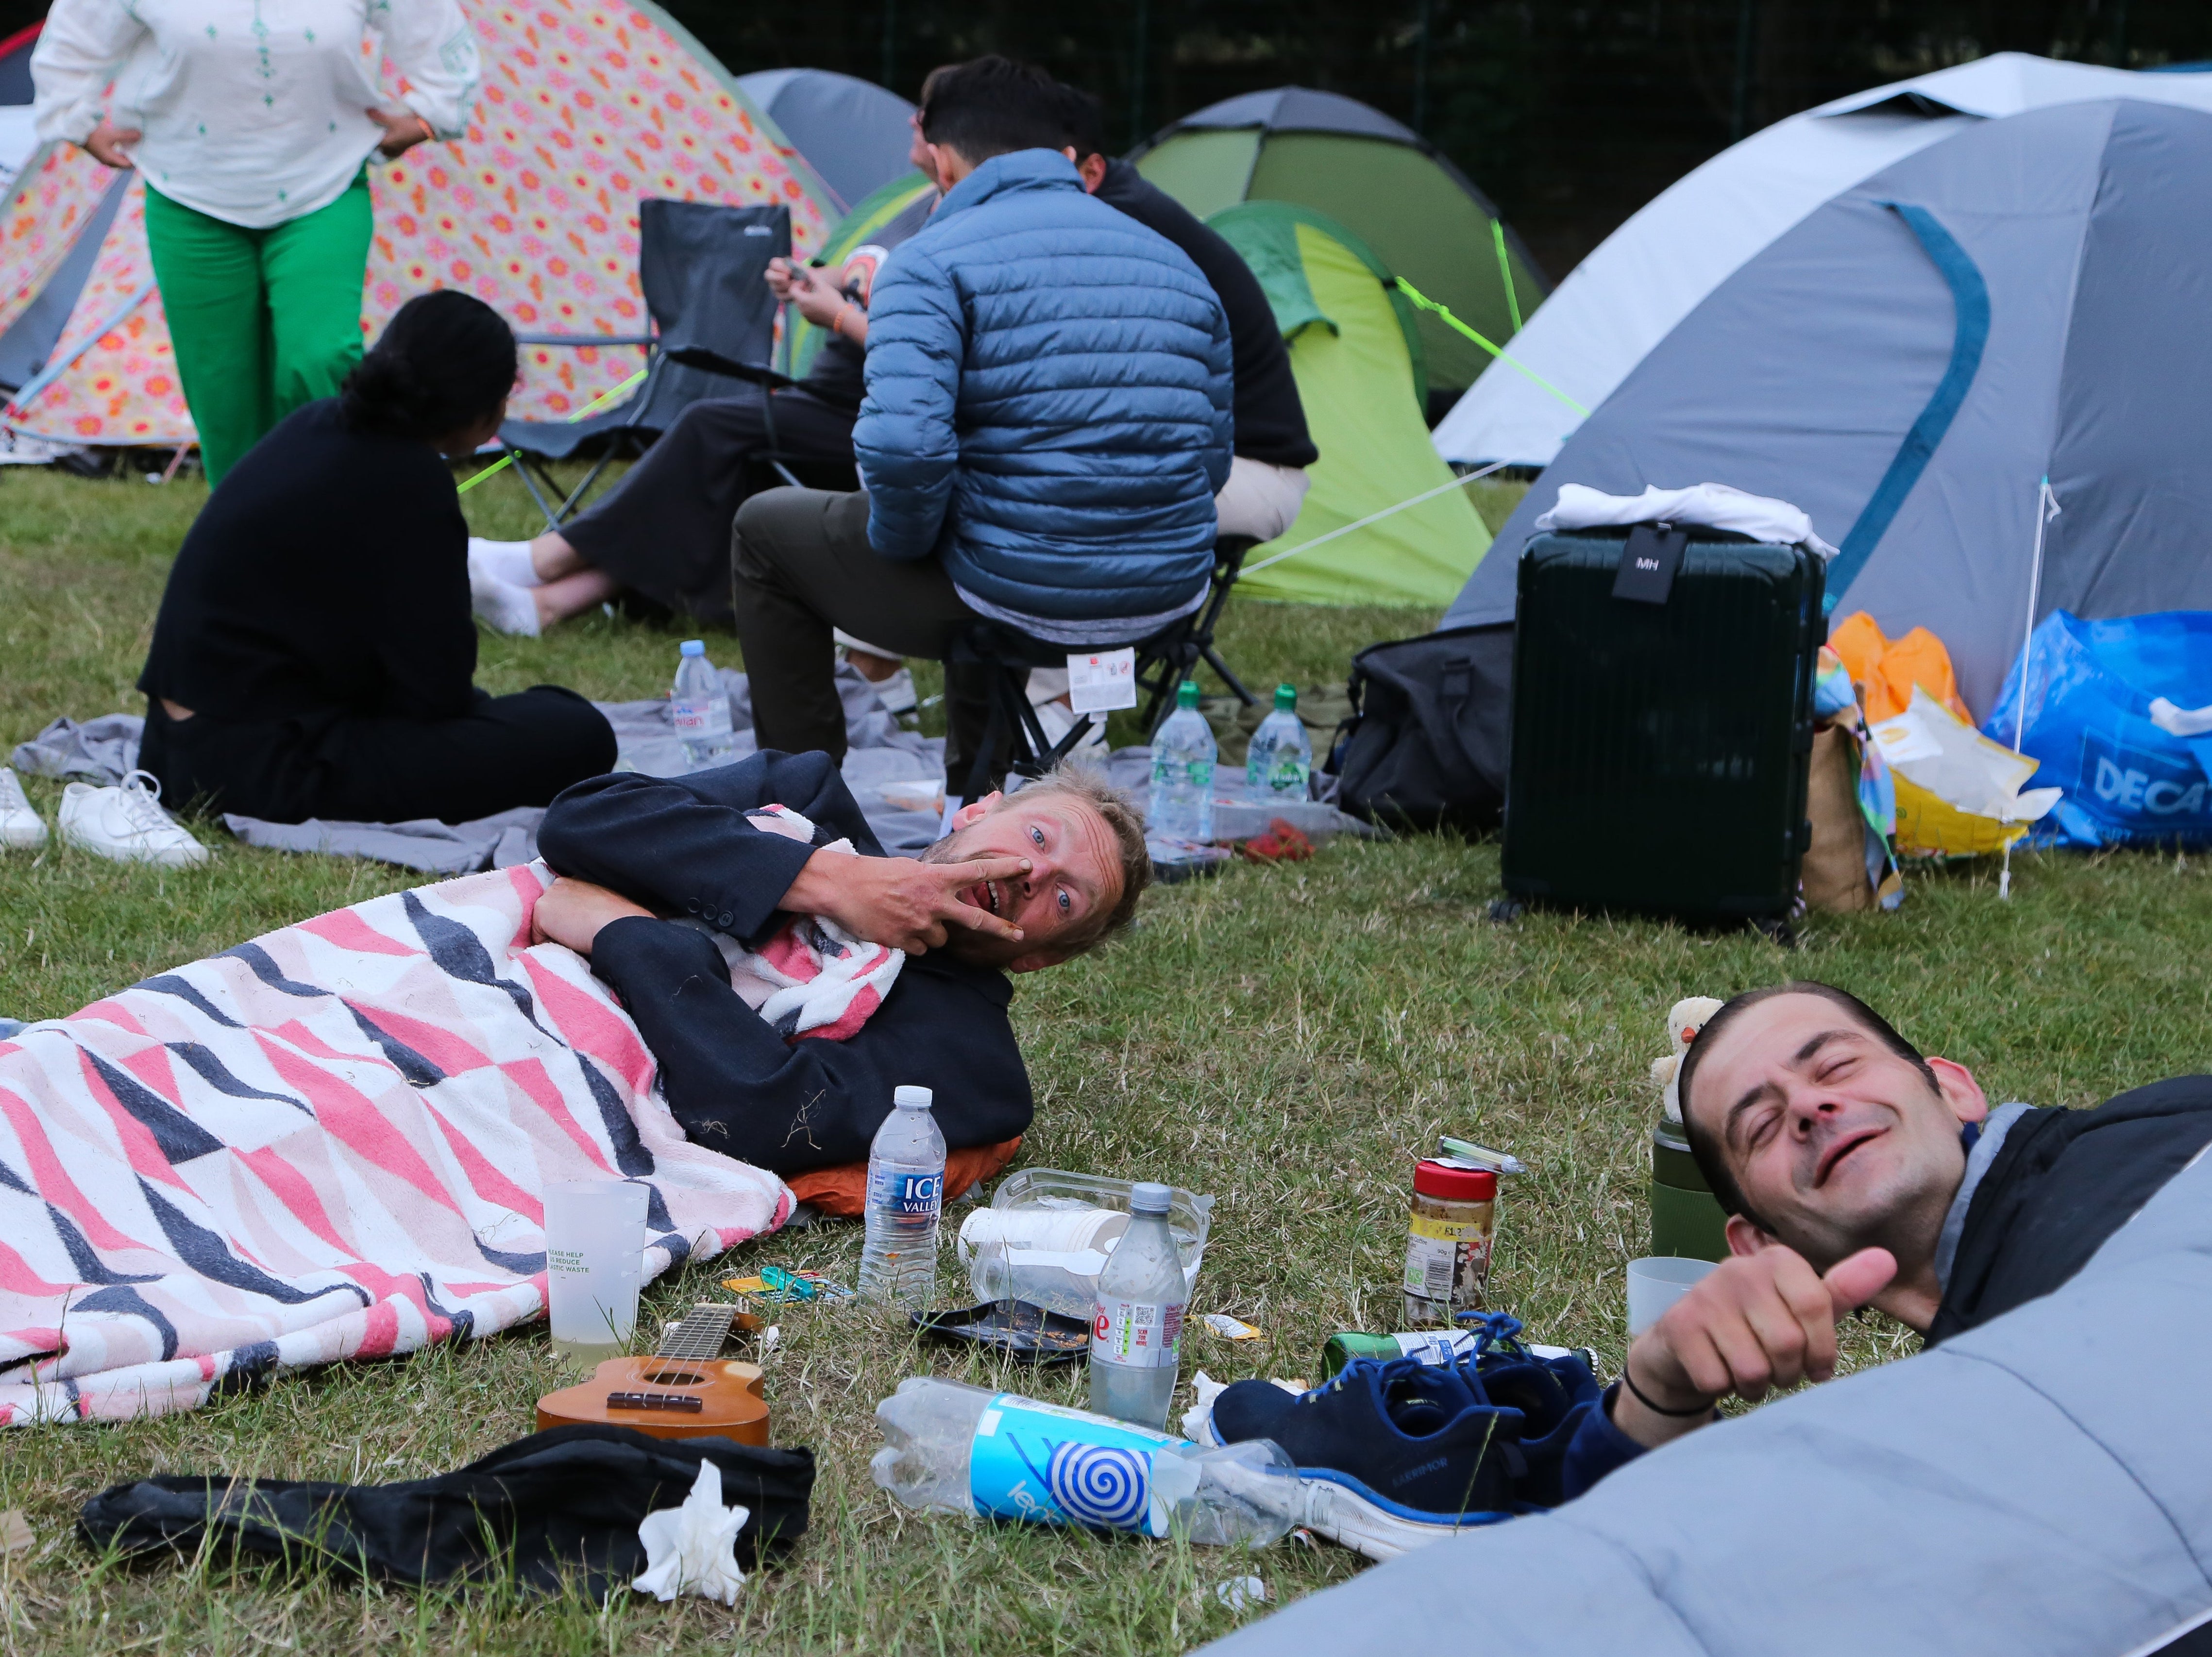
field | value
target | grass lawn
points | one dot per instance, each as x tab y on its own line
1284	1038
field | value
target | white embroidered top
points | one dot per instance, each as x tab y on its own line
254	112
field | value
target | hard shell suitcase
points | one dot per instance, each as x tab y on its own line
1660	749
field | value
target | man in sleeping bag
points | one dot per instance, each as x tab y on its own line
787	974
1857	1172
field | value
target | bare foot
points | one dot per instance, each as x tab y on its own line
572	594
551	557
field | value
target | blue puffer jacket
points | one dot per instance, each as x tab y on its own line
1049	404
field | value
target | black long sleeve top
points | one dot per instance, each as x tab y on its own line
328	575
682	846
1271	420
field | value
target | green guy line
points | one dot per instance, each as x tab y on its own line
596	403
1428	304
1505	273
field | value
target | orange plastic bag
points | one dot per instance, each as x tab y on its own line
1887	669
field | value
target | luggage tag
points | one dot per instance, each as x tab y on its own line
1649	561
1102	681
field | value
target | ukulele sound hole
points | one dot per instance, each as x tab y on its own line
676	1378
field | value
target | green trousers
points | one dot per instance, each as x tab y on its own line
262	320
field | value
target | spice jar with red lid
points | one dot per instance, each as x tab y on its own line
1447	1239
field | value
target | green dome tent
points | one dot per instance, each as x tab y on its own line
1393	190
1356	351
887	215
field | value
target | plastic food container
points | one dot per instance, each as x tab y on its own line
1047	1233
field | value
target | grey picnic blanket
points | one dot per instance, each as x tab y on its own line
880	752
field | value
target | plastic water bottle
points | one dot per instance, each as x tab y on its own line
1181	805
1138	1322
1280	758
906	1195
951	1448
701	708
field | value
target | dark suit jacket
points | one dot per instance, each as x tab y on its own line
681	846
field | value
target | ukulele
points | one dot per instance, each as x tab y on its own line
686	1389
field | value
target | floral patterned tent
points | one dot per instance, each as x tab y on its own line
587	108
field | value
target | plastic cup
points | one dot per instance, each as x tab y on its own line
594	1242
1654	1283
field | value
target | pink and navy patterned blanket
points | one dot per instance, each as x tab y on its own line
326	1143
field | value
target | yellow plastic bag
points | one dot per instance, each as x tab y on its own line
1958	793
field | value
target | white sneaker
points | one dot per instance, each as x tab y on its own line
503	560
127	824
21	828
502	606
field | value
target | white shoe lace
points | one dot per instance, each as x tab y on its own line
140	796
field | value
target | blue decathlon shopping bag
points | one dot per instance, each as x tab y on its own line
2133	775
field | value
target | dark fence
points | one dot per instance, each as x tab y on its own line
1571	115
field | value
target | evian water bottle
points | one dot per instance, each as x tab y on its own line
1138	1321
906	1195
700	707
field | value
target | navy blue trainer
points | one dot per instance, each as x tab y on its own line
1393	1454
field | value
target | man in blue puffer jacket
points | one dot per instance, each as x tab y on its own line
1047	419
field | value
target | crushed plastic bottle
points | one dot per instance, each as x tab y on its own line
699	706
951	1448
1281	759
1136	1324
906	1197
1184	751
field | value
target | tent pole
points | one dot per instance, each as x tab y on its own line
2046	508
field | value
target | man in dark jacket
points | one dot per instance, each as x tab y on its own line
652	867
1048	418
1856	1172
1267	477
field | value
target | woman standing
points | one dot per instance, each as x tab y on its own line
251	124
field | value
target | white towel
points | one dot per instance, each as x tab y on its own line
1709	506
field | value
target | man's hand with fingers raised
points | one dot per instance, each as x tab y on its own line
902	903
1761	1320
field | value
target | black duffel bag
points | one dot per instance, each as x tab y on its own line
1432	724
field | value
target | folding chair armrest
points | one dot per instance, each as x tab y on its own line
586	339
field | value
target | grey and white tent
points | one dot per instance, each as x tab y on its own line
1637	284
2039	1487
853	132
2030	297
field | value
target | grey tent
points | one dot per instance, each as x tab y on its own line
2040	1487
2032	297
851	132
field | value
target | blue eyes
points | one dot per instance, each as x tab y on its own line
1037	834
1066	903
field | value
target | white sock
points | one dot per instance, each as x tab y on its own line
504	606
503	560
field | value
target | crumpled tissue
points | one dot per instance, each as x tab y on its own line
693	1548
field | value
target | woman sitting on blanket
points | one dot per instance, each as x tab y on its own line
314	654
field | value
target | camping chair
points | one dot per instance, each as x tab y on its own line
703	269
1163	660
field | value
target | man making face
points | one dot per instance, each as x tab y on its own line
1857	1173
1023	881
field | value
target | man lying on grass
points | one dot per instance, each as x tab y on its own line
1022	882
1857	1173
